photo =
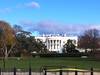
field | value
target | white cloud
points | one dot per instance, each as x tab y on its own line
49	27
33	4
95	27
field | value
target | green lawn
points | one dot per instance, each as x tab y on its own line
36	63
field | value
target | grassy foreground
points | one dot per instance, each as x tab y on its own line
36	63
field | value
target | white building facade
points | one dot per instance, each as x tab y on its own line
55	43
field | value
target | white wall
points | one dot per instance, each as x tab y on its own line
59	45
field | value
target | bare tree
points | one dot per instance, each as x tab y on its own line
89	40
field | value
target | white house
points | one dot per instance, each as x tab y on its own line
56	42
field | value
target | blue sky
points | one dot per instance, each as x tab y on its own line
52	16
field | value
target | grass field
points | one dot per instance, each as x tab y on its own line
36	63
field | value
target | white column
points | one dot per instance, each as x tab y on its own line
60	43
48	44
51	44
56	44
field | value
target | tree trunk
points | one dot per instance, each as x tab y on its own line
6	53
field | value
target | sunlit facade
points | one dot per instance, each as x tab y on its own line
56	42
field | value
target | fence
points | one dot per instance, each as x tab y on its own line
69	71
49	71
21	71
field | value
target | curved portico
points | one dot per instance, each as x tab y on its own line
55	43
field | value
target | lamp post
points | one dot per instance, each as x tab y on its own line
30	70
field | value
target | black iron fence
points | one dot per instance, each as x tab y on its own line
17	71
49	71
69	71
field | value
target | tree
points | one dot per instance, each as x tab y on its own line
7	39
23	41
17	28
28	44
89	40
40	47
69	47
